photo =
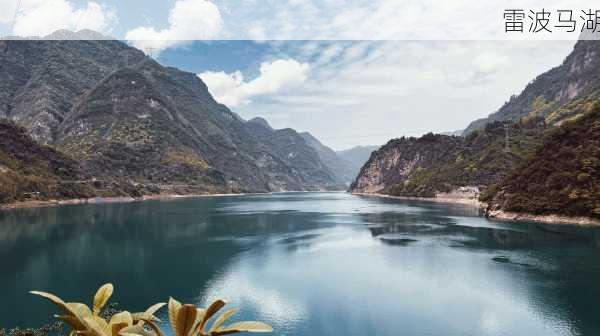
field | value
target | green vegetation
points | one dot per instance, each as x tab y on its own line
480	159
32	171
563	177
185	319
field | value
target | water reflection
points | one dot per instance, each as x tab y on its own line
310	263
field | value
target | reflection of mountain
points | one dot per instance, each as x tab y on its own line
398	226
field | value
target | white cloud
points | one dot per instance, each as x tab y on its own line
42	17
8	10
383	89
188	20
274	77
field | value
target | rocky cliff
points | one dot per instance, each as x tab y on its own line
356	157
439	164
557	95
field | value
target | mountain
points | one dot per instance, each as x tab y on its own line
357	157
342	169
125	117
293	150
30	171
42	80
434	164
563	177
24	164
538	155
557	95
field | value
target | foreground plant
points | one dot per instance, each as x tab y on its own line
186	320
86	321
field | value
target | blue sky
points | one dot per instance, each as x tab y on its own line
351	72
351	93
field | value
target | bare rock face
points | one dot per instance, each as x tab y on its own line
126	117
42	80
399	159
557	95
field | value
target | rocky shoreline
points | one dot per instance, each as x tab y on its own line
102	200
549	219
449	200
497	214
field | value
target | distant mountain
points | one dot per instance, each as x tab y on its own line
125	117
557	95
357	157
307	166
342	169
563	177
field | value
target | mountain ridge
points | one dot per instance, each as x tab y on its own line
126	117
558	94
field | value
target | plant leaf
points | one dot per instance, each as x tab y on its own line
79	309
93	328
101	298
117	327
186	319
245	326
211	310
55	299
226	315
154	327
75	323
198	322
135	329
149	313
102	324
122	317
174	307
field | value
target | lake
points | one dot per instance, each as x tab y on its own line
309	264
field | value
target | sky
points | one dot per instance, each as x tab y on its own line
352	72
350	93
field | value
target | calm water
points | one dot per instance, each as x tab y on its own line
310	264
